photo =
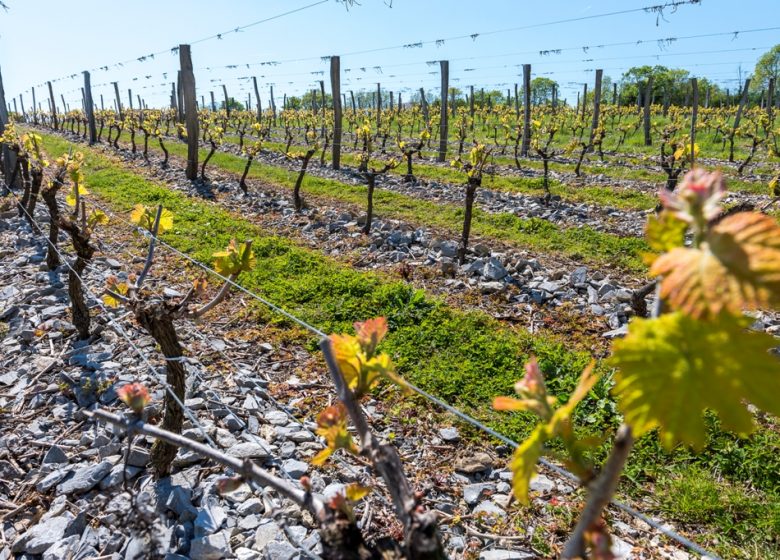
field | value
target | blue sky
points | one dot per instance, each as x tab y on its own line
41	40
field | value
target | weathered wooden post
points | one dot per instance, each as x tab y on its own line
378	106
517	102
53	106
257	96
180	96
614	94
443	127
9	159
324	109
273	105
648	95
213	103
596	104
64	104
424	105
118	101
130	98
352	97
742	101
102	106
471	105
89	108
21	102
694	114
227	101
191	114
34	108
770	99
526	145
335	91
584	99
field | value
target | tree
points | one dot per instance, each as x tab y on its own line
234	105
768	66
542	90
670	81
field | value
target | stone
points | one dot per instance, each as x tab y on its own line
138	457
491	287
450	435
490	510
473	492
55	454
296	469
250	506
501	554
66	548
276	418
542	484
481	250
40	537
211	547
249	450
180	502
116	477
478	462
280	550
579	275
448	249
494	270
265	534
209	519
85	479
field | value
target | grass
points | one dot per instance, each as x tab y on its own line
468	357
585	243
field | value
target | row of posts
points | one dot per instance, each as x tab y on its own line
184	101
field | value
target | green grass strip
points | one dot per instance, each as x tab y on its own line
582	243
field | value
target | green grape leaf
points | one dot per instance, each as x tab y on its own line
663	233
234	259
737	266
672	368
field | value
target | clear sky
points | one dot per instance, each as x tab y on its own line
48	39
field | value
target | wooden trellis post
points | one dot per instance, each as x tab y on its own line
34	108
443	127
89	108
118	101
257	96
596	104
648	95
213	103
273	105
227	101
526	145
53	106
9	159
191	114
742	101
378	106
335	91
424	105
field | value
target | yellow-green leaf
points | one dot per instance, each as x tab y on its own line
523	463
355	492
663	233
672	368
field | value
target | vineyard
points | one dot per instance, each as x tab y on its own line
422	323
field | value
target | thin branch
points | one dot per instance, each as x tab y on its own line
150	254
601	492
223	291
246	468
